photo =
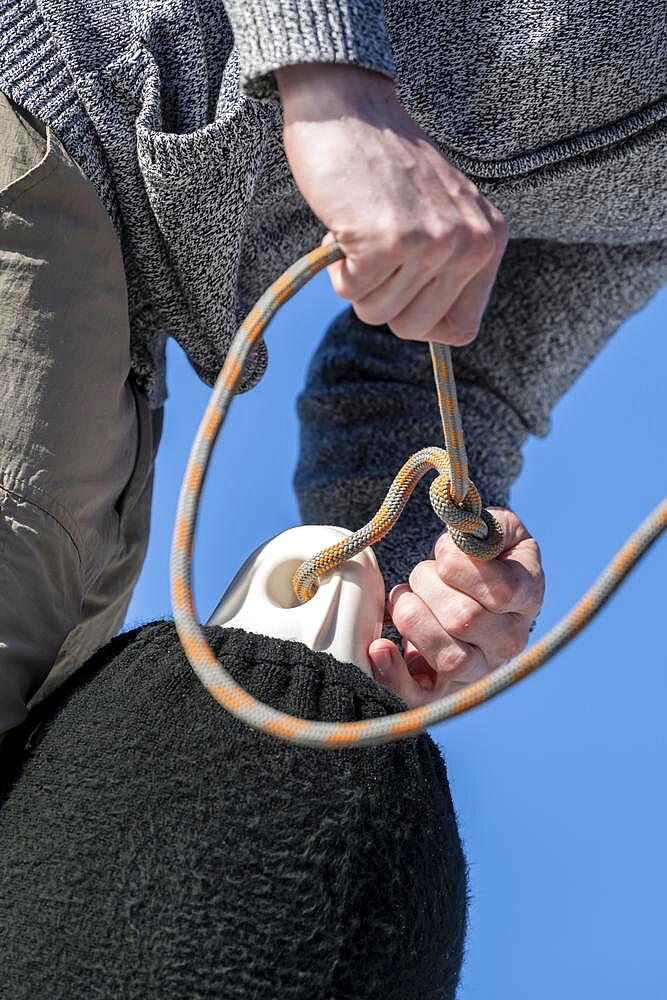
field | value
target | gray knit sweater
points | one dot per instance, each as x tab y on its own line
555	110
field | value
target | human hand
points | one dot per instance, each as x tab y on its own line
422	245
460	617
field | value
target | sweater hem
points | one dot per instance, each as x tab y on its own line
562	153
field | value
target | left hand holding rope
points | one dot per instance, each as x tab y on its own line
455	500
459	617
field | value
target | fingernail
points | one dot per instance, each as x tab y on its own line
383	664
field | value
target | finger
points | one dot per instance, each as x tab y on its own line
513	582
336	271
499	637
450	657
420	669
416	663
469	271
390	670
359	272
466	312
461	324
424	674
393	295
433	301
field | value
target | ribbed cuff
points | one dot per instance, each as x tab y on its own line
271	34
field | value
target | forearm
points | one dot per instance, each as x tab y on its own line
320	91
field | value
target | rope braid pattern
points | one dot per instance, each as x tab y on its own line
466	522
455	500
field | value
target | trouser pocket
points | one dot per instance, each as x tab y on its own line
76	440
26	153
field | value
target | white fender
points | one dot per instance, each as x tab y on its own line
343	617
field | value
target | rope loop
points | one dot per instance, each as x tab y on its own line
473	528
481	548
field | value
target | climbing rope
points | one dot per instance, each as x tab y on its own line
454	498
456	502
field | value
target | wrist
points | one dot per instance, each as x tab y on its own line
317	91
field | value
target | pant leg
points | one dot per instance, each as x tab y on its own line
77	441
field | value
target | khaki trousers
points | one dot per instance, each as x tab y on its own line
77	439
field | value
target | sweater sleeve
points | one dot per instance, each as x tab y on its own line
271	34
370	401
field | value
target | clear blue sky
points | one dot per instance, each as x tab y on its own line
559	784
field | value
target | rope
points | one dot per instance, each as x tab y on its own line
454	499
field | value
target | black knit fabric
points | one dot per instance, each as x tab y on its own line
151	845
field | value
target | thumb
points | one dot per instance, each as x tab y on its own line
390	670
337	269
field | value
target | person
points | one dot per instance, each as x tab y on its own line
498	174
154	846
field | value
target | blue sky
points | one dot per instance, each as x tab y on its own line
559	783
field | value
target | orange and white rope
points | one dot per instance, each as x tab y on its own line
454	499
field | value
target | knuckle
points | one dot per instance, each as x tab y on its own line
341	286
418	575
443	543
418	325
399	246
451	333
452	660
352	287
459	235
462	617
447	562
481	241
500	596
441	234
407	612
406	332
457	187
408	239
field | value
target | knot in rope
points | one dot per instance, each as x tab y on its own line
472	528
